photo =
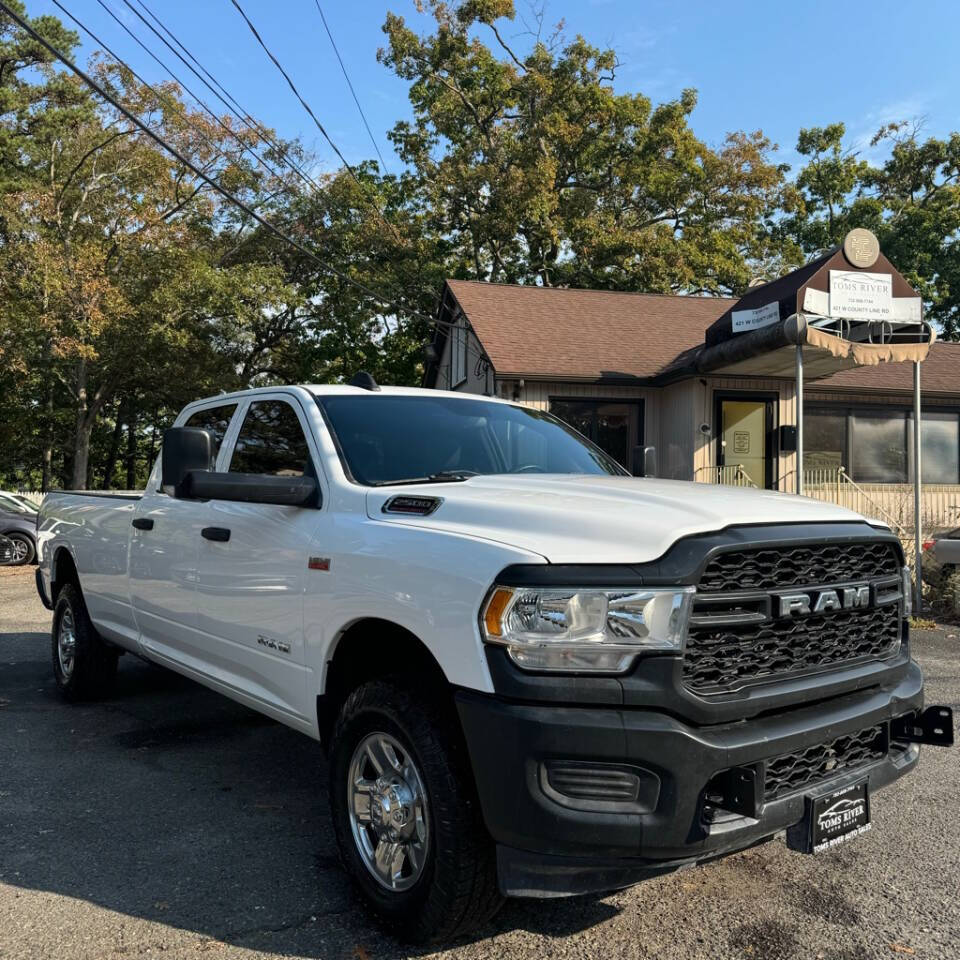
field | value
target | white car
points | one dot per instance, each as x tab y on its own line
534	674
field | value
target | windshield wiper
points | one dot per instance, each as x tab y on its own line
441	476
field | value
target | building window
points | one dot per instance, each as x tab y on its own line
876	445
939	447
615	427
825	439
458	354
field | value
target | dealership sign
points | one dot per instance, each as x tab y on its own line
857	295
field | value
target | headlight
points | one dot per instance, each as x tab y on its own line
585	630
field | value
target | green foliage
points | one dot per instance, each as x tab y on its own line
128	287
911	200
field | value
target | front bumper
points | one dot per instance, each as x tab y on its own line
552	845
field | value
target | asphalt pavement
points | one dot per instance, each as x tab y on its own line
169	822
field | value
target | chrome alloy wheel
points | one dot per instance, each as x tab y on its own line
387	803
21	550
66	643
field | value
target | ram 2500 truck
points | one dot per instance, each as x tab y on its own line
534	674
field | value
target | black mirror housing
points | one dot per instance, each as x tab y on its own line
254	488
185	450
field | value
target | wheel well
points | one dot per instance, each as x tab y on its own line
63	571
16	532
374	648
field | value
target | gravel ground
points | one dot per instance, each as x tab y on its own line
170	822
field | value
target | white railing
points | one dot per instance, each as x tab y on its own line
731	474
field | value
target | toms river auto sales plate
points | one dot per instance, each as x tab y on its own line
832	819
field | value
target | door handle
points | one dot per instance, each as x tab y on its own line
142	523
220	534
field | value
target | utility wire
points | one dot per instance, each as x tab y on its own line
220	92
306	106
161	97
243	114
353	92
105	95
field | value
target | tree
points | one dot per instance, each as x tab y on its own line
537	171
112	254
911	201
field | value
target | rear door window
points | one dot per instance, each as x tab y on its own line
271	441
214	419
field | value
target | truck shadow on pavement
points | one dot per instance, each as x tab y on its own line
172	805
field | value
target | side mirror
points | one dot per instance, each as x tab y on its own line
185	449
644	461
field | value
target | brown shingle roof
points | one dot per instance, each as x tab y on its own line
939	373
583	334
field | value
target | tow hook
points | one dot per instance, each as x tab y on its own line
934	726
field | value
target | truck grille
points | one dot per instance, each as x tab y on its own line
735	637
779	567
793	771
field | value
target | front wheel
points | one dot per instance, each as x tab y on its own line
406	815
23	549
83	665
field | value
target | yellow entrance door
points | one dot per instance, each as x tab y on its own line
744	440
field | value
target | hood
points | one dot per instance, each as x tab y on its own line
587	519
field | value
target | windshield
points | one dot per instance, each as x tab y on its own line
396	439
11	504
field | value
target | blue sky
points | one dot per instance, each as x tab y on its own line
774	66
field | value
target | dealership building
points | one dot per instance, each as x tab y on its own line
714	385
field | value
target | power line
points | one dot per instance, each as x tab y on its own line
306	106
160	96
346	77
242	114
226	194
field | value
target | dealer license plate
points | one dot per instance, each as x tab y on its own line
832	819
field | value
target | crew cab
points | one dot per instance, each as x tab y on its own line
533	674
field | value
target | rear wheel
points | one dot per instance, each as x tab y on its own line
84	666
23	549
406	815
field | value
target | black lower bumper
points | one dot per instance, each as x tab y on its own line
554	838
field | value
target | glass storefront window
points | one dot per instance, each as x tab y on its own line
825	439
939	447
876	446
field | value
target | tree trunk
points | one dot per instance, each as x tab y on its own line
88	409
81	435
81	454
47	467
114	450
131	456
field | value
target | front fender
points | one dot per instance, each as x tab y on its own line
429	582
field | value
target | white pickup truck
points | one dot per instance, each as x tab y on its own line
534	674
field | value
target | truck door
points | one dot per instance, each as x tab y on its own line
164	549
250	588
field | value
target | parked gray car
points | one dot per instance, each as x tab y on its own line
18	522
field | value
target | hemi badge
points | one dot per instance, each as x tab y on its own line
318	563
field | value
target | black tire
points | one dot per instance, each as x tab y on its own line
25	547
456	890
91	673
